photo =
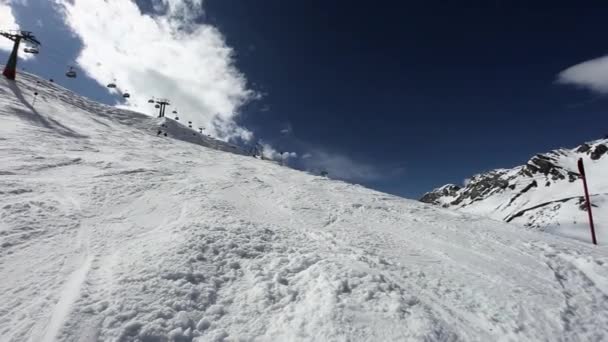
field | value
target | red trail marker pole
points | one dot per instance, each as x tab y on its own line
581	170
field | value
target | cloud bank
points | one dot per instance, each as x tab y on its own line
270	153
591	75
165	54
7	22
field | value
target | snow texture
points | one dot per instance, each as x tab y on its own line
110	232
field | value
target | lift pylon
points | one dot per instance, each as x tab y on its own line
161	106
10	70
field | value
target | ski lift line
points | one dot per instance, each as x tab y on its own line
50	49
58	63
58	57
49	52
51	58
57	51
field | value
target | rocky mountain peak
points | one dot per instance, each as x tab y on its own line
543	192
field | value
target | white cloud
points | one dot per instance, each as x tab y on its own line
182	10
270	153
165	55
8	22
340	166
592	75
287	130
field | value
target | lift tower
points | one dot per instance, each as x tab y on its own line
10	70
161	104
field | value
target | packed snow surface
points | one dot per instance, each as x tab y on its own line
109	232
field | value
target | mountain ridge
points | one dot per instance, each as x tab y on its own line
523	194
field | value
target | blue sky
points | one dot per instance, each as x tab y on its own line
401	97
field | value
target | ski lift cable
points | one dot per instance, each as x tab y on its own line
59	58
57	52
54	59
48	51
60	62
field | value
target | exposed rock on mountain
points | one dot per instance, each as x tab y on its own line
545	193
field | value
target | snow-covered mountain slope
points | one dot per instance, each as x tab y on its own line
545	194
109	232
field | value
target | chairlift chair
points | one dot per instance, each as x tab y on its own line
151	101
126	95
157	106
71	73
112	84
32	50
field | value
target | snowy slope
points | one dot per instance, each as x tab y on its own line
545	194
109	232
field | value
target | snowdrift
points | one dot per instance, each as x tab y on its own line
110	232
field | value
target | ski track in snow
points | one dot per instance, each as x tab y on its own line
69	294
110	233
71	288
